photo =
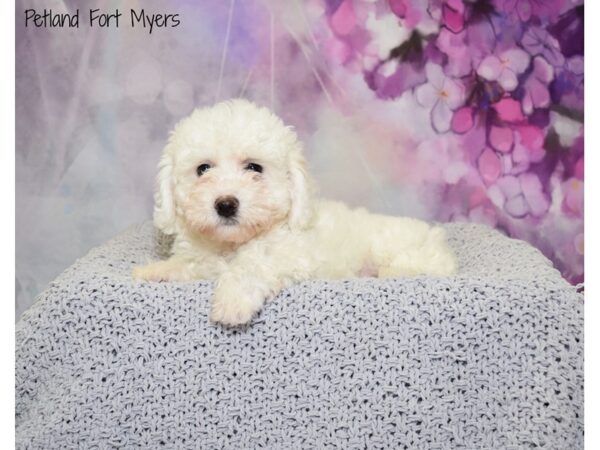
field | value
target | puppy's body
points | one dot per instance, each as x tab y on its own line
256	232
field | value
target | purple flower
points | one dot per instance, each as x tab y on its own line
481	38
569	32
465	49
520	195
332	5
567	87
403	68
538	41
442	94
405	76
524	10
504	68
537	201
537	94
504	79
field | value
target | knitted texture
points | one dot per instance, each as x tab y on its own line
491	358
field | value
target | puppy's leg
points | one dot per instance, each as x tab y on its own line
239	296
172	269
253	277
430	255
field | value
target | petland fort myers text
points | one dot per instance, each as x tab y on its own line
101	19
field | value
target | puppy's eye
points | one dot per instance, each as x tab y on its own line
254	167
202	168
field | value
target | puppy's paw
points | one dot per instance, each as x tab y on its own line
232	312
233	304
157	271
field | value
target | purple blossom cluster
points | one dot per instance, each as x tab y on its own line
505	77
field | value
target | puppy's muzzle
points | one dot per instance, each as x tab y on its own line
227	206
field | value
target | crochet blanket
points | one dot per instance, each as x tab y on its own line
490	358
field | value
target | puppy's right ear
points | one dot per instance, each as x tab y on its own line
164	201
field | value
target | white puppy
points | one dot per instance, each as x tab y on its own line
235	192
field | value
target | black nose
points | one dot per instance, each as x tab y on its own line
227	206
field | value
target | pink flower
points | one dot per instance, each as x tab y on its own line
573	196
398	7
453	15
343	19
532	138
528	148
579	169
504	91
504	68
509	110
442	94
462	120
413	13
536	86
522	145
490	166
459	53
501	138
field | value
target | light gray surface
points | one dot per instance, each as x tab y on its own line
491	358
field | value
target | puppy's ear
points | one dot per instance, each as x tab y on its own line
301	187
164	201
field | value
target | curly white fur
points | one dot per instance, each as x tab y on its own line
280	234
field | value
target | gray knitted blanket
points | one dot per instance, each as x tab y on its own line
491	358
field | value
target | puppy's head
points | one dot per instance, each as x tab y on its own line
230	172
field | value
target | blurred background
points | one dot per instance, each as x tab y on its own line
448	110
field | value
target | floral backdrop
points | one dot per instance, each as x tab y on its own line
449	110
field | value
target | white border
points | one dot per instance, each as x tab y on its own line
592	242
7	224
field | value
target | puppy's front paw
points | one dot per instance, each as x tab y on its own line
233	305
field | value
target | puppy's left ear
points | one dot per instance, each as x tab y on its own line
164	202
301	187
